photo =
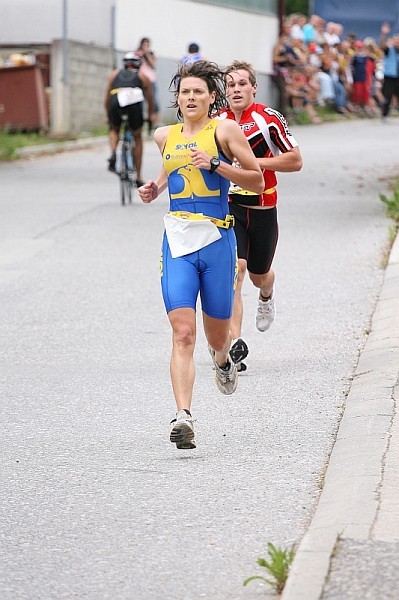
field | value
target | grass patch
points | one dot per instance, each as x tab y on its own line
392	211
11	142
277	567
392	204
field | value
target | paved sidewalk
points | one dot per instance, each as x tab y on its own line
351	548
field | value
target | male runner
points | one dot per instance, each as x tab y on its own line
255	215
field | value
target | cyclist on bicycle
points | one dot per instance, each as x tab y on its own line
127	89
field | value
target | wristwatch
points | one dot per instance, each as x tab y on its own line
215	162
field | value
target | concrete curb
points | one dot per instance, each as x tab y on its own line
349	505
55	147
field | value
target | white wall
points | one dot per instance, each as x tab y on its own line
40	21
224	34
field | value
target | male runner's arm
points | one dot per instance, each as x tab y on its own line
287	162
234	144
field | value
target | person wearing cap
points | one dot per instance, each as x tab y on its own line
390	86
126	91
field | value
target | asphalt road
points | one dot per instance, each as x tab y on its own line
95	501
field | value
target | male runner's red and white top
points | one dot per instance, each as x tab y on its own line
268	135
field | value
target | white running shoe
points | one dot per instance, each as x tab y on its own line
182	431
226	378
266	313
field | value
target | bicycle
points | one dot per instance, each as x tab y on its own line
124	162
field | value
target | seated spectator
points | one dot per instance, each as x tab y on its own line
327	90
297	25
332	33
283	57
308	31
344	56
302	91
319	30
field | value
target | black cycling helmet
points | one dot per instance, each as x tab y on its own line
131	59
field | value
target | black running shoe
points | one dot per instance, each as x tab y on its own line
111	162
139	183
241	367
238	351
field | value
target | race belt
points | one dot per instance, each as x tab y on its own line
225	223
242	192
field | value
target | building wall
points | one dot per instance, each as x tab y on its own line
41	21
78	103
115	26
223	33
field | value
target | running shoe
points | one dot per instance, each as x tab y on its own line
226	378
139	183
238	351
266	313
182	431
112	162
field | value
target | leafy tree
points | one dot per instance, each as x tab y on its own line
297	6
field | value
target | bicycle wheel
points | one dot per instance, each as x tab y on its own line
125	182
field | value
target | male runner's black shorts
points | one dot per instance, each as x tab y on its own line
257	234
133	111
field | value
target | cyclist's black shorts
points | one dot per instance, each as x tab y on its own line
133	111
257	234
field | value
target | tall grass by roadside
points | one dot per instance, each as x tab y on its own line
11	142
392	204
277	567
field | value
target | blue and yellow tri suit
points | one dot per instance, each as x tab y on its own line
212	270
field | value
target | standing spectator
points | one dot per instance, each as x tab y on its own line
390	86
147	68
371	50
361	90
192	55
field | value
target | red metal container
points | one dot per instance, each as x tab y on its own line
23	103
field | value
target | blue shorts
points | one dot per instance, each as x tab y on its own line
210	272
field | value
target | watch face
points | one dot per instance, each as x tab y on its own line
215	162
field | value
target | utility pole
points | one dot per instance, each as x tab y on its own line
281	14
65	42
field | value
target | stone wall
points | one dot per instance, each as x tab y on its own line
77	94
